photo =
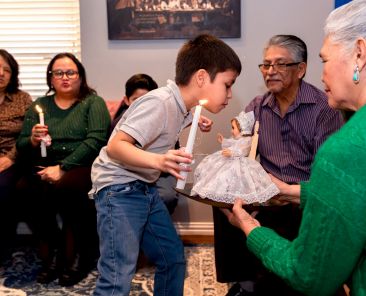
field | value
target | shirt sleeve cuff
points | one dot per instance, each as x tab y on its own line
258	238
303	194
65	167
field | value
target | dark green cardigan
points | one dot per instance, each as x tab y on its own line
78	133
331	246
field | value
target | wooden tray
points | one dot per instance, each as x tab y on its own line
187	192
251	207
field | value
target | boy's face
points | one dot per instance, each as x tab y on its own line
218	92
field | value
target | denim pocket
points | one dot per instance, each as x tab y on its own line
125	189
119	189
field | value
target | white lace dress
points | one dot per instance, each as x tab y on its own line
224	179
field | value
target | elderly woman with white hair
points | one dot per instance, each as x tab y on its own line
330	249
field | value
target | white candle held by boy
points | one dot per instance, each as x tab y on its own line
41	121
191	137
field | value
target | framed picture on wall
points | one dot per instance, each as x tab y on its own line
172	19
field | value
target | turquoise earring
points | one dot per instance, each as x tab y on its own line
356	75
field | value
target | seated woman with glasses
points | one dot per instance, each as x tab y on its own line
61	136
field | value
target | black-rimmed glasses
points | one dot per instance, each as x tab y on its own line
280	67
59	74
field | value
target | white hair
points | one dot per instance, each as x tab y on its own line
347	23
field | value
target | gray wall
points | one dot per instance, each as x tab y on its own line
110	63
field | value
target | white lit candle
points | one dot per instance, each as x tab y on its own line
41	121
190	141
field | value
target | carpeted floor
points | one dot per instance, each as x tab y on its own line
17	277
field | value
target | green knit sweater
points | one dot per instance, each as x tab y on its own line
78	133
331	246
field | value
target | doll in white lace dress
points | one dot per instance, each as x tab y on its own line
228	174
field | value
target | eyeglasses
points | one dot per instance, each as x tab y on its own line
59	74
280	67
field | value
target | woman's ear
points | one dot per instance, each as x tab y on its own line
361	53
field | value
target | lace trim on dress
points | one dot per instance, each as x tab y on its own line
227	197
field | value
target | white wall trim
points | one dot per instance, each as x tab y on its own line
194	228
183	228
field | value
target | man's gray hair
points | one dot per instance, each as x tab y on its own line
347	23
293	44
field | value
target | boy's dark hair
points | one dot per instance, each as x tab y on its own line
14	83
205	52
84	90
137	81
141	81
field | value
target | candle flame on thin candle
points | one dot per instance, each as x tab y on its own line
39	109
202	102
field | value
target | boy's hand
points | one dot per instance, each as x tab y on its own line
205	124
173	162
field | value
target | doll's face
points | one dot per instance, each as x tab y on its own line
235	131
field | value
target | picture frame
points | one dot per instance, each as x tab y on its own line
172	19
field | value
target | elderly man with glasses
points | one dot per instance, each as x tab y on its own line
295	120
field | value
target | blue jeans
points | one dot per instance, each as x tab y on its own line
131	216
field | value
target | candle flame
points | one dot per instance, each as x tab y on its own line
202	102
39	109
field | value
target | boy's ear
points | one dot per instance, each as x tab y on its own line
201	77
126	101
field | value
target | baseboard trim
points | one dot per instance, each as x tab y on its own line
183	228
194	228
